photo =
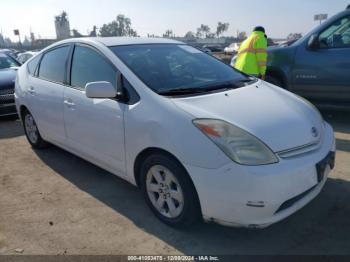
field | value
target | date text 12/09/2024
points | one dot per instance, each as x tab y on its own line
173	258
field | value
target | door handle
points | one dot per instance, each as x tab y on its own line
69	103
31	90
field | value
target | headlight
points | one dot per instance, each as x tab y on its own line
237	144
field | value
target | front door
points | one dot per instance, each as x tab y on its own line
94	127
323	74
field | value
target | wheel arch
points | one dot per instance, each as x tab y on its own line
279	74
22	110
142	157
155	150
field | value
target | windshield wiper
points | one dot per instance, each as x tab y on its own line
182	91
245	82
218	87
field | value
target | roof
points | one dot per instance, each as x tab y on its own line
114	41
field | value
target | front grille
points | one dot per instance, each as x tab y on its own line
7	99
297	151
9	110
292	201
7	91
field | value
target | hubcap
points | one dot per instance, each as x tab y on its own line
164	191
31	128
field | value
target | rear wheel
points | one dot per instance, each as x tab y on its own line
168	191
32	132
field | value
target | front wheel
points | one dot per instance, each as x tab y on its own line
32	132
169	192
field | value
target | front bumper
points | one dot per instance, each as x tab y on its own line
7	104
247	196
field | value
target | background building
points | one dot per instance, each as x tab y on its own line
62	26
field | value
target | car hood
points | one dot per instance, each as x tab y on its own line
277	117
7	77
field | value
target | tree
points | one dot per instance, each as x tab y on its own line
294	36
221	28
62	18
210	35
168	33
76	33
119	27
93	32
26	41
2	41
190	35
241	35
203	30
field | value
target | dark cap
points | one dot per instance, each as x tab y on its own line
259	29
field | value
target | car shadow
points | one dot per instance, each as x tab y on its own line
340	121
10	127
322	227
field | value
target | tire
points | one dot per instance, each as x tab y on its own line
169	192
32	132
274	80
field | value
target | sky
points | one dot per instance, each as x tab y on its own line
279	17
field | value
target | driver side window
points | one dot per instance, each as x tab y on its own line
90	66
337	35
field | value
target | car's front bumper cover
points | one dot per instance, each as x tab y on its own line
7	104
252	197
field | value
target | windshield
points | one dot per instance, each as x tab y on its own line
7	62
172	67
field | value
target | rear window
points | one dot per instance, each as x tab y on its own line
164	67
32	65
53	64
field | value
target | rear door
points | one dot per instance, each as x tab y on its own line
94	127
46	93
323	74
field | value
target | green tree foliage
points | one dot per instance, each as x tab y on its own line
221	28
119	27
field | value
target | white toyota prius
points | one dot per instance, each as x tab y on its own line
199	138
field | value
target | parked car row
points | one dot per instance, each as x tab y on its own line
8	71
10	61
23	57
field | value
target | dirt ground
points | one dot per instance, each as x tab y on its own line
52	202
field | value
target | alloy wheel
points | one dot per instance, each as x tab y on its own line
31	128
164	191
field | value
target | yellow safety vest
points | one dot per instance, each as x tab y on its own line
252	55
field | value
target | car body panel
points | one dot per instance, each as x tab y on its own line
86	131
244	107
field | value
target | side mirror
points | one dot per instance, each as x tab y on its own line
313	42
100	89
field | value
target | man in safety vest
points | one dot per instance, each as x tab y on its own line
252	54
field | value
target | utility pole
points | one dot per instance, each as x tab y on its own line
16	32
